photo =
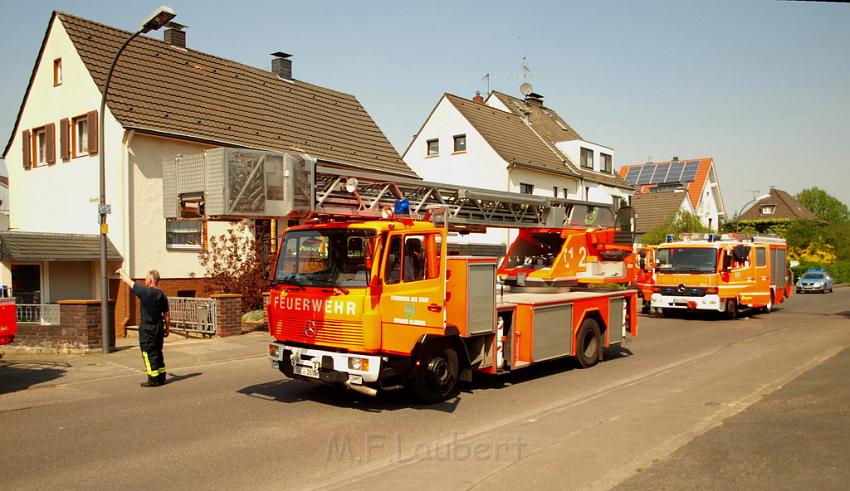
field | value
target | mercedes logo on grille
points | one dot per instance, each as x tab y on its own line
310	329
681	287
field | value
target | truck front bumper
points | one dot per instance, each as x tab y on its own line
706	302
323	366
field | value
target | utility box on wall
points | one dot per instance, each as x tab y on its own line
238	183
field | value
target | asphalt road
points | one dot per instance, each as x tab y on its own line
683	400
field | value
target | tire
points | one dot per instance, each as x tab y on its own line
799	292
589	344
435	374
668	312
731	309
769	307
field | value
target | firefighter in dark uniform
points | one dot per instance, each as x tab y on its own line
154	327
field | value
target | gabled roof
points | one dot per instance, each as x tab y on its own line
693	185
510	137
653	209
786	207
42	246
161	89
552	128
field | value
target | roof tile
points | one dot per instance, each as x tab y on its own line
161	88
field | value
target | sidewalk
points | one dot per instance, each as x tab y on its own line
796	438
21	370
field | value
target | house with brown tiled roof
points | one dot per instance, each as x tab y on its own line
511	144
165	99
697	177
777	205
654	209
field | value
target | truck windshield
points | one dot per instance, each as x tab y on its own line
325	257
686	260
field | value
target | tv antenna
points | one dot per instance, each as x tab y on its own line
487	78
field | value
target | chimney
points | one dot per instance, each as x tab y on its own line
675	158
175	35
478	99
282	65
534	99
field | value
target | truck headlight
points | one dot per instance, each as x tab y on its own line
274	351
361	364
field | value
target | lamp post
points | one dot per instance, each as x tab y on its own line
155	21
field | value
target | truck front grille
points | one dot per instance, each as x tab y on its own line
343	334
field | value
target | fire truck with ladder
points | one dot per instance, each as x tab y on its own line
365	295
728	273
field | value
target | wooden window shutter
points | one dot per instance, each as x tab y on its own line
93	132
26	144
64	139
50	135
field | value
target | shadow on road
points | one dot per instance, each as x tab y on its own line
293	391
173	378
16	376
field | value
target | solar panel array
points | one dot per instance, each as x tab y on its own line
662	173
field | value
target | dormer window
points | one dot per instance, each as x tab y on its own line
606	163
586	158
768	209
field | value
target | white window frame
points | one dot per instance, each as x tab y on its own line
77	137
39	138
170	224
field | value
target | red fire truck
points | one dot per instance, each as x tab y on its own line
8	320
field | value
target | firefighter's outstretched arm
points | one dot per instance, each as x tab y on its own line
126	279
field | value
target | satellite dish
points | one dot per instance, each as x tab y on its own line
526	88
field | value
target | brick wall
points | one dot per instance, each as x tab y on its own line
228	311
78	330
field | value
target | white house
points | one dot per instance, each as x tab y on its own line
515	145
698	177
164	99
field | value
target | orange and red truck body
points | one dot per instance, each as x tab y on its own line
723	275
379	304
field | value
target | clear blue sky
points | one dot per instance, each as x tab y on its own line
761	86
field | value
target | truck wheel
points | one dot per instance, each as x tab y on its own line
769	307
731	309
588	344
435	374
668	312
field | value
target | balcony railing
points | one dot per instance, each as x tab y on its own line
35	313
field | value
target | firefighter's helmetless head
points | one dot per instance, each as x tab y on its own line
152	279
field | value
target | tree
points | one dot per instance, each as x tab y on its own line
827	207
234	264
679	222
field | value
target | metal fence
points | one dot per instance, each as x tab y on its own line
192	315
36	313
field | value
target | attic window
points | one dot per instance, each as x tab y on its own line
768	209
432	147
459	143
57	72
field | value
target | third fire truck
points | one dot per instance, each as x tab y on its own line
725	275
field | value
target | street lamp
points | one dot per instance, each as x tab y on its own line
155	21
